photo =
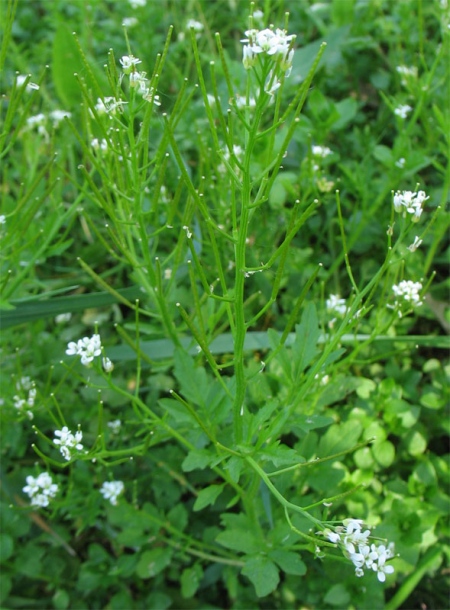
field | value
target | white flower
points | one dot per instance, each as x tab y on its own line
401	162
137	3
336	305
68	441
107	365
129	63
241	102
32	486
402	111
258	16
129	22
110	490
63	317
2	219
99	144
109	105
40	489
39	121
416	243
407	73
195	25
58	115
408	292
114	425
27	388
321	151
21	78
149	96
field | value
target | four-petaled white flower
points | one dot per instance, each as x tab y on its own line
129	63
68	442
110	490
40	489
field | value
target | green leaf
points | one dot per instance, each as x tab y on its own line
416	443
40	307
347	110
61	599
306	336
384	453
234	467
239	540
281	455
383	154
208	496
263	574
67	60
6	547
340	437
152	562
338	596
289	562
306	423
190	580
193	379
197	459
239	534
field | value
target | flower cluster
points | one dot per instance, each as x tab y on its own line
138	79
411	203
40	120
409	292
68	442
335	304
40	489
109	105
321	151
99	145
275	44
87	348
355	546
193	24
28	389
402	111
114	426
406	73
110	490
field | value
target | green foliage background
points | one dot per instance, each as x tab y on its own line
178	538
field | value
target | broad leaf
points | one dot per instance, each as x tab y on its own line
263	574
